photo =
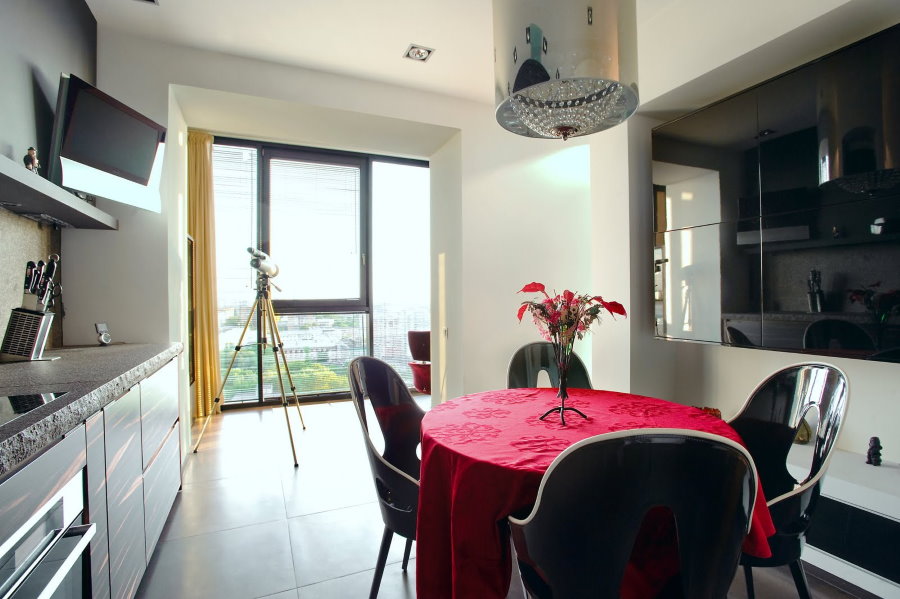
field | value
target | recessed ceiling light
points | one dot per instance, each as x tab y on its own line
420	53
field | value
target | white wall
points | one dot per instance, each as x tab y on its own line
724	47
611	261
497	238
174	188
493	195
118	277
446	279
526	220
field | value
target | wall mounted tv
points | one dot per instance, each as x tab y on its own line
100	147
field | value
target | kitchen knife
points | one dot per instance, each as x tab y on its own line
29	272
50	291
55	292
51	268
45	287
36	276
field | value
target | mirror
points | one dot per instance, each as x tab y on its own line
777	211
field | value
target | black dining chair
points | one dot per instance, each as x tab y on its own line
886	355
811	393
737	337
396	470
578	537
532	358
832	333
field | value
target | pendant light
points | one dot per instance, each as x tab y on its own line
564	68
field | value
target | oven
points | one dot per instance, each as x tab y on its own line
47	555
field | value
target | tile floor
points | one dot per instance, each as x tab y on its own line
249	525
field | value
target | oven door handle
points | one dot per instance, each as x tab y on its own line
86	533
21	574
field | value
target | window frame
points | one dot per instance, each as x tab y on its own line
333	305
265	152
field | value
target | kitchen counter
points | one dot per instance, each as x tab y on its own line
858	317
92	376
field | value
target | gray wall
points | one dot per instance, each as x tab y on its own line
39	39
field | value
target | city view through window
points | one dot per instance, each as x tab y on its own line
313	243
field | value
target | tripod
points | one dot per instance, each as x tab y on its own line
267	322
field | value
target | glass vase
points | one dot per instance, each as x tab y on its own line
563	356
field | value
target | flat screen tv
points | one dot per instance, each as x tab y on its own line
103	148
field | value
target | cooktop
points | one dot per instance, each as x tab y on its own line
13	406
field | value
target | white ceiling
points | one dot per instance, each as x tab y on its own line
365	39
358	38
250	117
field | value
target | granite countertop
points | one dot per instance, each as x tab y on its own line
92	376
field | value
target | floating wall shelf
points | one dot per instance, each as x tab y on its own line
30	195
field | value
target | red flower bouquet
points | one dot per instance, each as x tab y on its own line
561	319
880	304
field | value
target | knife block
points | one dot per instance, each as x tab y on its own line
26	335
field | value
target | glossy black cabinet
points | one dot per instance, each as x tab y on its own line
780	206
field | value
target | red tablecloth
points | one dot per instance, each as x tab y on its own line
483	457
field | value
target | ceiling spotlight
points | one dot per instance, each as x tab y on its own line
420	53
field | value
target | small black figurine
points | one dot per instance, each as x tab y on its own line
873	456
31	160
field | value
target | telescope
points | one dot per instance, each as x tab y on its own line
261	262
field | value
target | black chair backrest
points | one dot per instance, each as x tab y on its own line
592	500
396	470
737	337
830	333
771	417
532	358
886	355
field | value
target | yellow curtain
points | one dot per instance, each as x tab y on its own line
201	226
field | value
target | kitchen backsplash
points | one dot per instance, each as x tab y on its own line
22	240
842	268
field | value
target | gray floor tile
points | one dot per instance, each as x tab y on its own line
292	594
317	487
316	527
777	582
221	504
240	441
243	563
395	584
339	542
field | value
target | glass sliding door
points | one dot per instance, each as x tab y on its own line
401	259
235	185
350	236
314	222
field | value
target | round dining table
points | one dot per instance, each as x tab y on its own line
483	457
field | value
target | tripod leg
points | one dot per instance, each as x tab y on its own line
237	348
277	336
270	316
